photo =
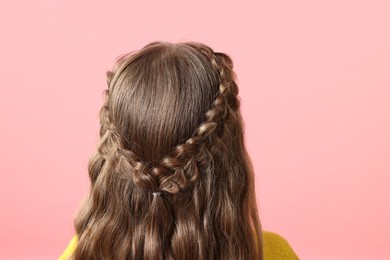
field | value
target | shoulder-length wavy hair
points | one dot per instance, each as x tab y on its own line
171	177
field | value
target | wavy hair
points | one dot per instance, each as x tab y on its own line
171	177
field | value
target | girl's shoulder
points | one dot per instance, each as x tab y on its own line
69	249
276	247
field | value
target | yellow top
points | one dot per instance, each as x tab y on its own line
275	247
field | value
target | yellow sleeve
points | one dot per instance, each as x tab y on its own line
275	247
69	249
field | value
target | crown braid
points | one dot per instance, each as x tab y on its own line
176	171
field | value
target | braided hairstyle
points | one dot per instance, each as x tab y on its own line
170	178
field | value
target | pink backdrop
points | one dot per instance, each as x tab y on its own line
315	88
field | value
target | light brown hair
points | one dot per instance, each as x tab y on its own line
171	177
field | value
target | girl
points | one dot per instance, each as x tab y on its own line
171	177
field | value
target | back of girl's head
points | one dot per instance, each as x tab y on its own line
171	177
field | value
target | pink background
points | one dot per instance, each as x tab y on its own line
315	88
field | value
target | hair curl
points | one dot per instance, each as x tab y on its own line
170	126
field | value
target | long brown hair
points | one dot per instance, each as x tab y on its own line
171	177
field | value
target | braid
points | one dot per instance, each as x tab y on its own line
122	159
184	155
178	170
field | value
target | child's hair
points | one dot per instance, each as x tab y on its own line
171	177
